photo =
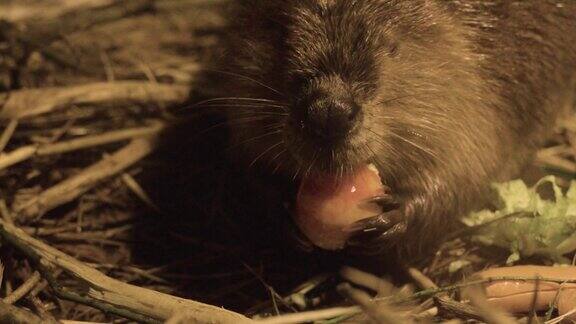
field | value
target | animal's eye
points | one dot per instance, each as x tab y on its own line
301	79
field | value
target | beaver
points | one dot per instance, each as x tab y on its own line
444	97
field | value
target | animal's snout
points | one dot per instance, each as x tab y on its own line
328	118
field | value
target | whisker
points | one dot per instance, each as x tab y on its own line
247	78
299	164
423	124
422	149
314	157
377	159
250	116
232	100
235	122
350	167
236	99
333	155
297	172
268	113
278	165
382	166
264	153
276	125
391	151
254	138
242	114
232	105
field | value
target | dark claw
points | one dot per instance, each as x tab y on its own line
364	238
379	223
377	233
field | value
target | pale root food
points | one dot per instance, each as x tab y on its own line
326	205
517	296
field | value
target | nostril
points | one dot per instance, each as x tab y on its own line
331	118
341	108
344	111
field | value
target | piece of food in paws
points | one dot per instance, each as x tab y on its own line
327	205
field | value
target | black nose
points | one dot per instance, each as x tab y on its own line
330	119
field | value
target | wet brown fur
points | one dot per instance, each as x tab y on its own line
454	94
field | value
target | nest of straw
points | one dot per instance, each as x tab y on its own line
112	211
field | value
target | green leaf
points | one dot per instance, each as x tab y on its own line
541	225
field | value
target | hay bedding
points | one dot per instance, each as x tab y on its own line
86	89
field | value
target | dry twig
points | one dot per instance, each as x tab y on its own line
15	315
63	21
31	102
382	287
25	288
103	290
75	186
379	312
24	153
17	12
312	315
7	134
444	304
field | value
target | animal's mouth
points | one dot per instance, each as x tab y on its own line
336	182
327	204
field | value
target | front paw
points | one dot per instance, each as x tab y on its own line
379	233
